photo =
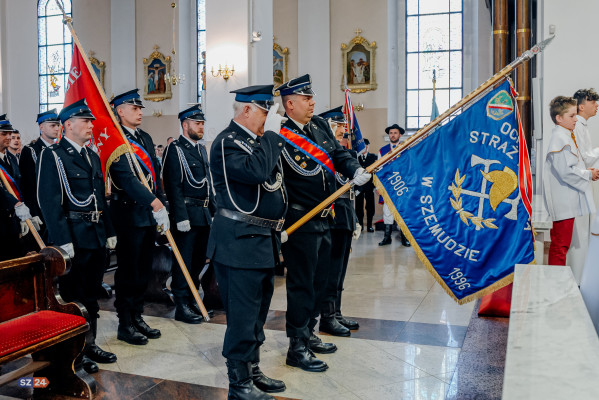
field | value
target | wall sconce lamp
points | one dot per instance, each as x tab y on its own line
359	107
256	36
225	72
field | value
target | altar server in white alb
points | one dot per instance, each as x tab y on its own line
566	179
586	103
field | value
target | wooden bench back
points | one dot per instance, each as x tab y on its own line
28	284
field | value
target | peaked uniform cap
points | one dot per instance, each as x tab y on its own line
128	97
193	113
335	115
78	109
48	116
301	85
260	95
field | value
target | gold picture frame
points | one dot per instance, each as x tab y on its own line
156	68
358	63
280	60
99	68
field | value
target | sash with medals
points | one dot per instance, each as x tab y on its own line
143	156
11	182
309	148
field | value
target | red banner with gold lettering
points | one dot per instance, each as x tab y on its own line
107	141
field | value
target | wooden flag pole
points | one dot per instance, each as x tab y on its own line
68	21
527	55
32	229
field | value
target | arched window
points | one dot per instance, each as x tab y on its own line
55	49
201	26
433	46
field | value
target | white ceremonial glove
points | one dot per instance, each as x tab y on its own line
22	211
24	228
273	120
284	237
37	222
184	226
361	177
69	249
111	243
357	232
161	217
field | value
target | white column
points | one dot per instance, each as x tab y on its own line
226	43
314	42
261	20
185	54
122	51
392	63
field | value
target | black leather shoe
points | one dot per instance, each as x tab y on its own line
404	240
299	355
129	334
317	346
370	229
88	365
95	353
241	385
143	328
330	325
194	307
184	313
348	323
264	383
387	239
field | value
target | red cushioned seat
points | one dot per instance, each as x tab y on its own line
34	328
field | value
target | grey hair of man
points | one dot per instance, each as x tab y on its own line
238	108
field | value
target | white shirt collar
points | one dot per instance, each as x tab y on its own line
301	126
131	131
252	134
45	143
3	155
75	145
190	140
582	120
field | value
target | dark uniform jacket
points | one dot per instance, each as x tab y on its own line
245	173
27	165
130	198
57	200
305	188
187	183
8	220
366	160
345	213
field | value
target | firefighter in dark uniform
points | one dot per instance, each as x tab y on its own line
188	187
365	193
49	125
251	206
136	213
75	210
342	230
307	253
13	211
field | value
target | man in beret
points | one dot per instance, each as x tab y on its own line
77	215
136	213
394	131
252	201
309	178
188	188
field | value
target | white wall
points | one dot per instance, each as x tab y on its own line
570	62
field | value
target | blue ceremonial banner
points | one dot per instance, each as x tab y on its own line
456	194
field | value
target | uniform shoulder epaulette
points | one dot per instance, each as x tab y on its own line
243	144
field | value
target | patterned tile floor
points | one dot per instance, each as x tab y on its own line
414	343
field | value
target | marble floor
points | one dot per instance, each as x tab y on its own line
411	344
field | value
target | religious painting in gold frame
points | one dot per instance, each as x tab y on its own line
157	68
280	59
358	62
99	68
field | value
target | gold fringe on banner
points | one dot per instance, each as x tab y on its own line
474	296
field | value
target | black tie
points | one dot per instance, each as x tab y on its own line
202	151
85	156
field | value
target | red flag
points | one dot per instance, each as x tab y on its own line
107	141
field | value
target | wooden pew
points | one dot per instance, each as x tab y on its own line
34	320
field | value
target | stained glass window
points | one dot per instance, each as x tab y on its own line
433	48
201	49
55	49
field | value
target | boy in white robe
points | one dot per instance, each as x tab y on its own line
566	179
